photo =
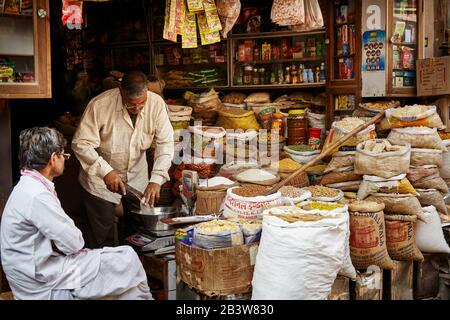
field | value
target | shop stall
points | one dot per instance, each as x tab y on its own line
311	159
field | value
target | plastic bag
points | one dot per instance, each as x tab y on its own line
288	12
417	137
217	234
399	185
426	157
400	238
432	182
313	17
429	235
432	197
229	13
399	204
385	165
72	14
206	107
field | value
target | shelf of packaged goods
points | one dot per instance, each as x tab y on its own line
281	86
211	64
308	59
275	34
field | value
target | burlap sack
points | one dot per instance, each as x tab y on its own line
341	175
401	238
368	241
432	197
384	165
341	160
403	204
432	182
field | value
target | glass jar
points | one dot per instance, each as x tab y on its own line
248	75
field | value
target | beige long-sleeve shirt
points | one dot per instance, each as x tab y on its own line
106	140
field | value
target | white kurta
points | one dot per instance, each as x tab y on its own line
32	221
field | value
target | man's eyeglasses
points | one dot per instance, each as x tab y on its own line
134	106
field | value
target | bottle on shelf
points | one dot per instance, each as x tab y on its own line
344	11
256	53
256	80
323	73
287	76
262	77
305	75
317	75
310	76
280	74
239	77
300	73
294	74
273	76
248	75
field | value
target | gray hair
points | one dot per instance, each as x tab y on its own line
134	84
37	146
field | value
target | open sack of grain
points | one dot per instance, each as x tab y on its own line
292	267
340	128
249	201
412	116
382	159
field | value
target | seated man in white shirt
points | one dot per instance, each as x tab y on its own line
42	249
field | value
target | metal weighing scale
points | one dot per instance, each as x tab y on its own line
150	241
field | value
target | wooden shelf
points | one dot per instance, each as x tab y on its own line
282	86
118	44
12	15
307	59
211	64
344	24
409	44
276	34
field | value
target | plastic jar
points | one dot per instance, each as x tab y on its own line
314	135
297	127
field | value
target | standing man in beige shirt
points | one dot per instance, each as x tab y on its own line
116	130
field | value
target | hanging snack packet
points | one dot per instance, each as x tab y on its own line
195	6
212	17
189	38
169	24
209	5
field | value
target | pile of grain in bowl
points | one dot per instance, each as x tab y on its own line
323	192
250	191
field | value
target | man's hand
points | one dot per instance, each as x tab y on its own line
114	183
151	194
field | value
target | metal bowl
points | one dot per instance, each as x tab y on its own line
150	218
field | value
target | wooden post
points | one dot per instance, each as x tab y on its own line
426	277
398	283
